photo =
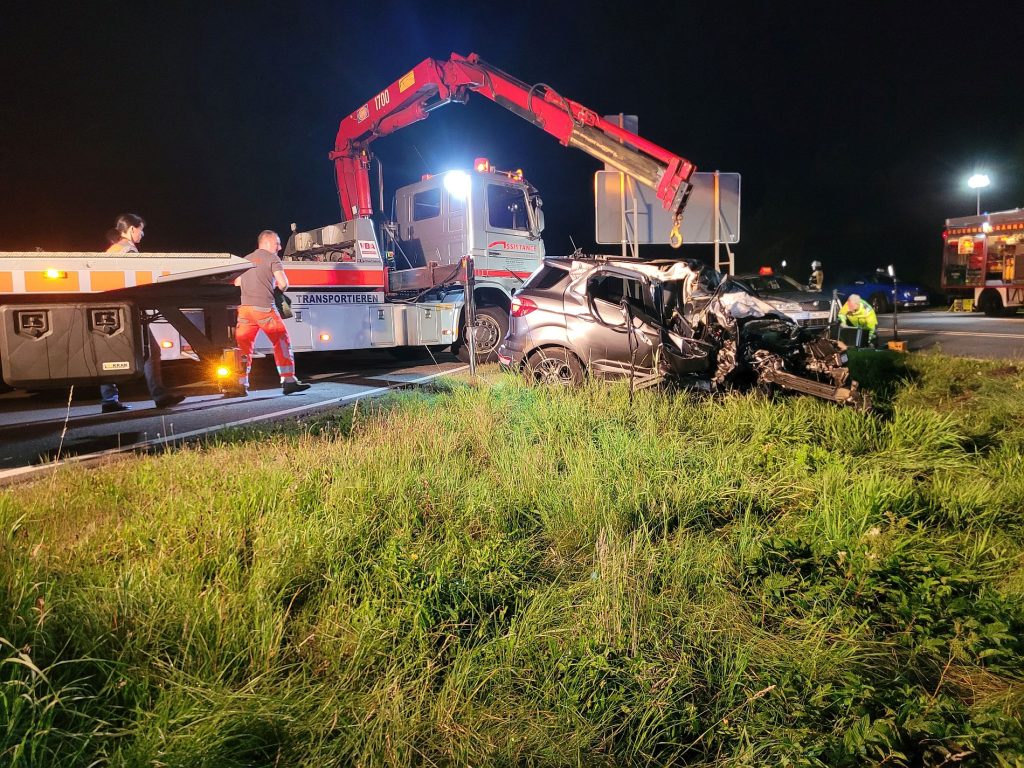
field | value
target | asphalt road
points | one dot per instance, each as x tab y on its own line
964	334
39	428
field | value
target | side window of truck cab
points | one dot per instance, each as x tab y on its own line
426	204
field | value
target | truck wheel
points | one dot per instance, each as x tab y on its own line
990	303
880	303
554	366
491	327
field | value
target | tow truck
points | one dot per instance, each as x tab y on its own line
480	228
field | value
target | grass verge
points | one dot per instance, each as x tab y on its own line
504	575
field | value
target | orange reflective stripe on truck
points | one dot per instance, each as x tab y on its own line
107	281
38	282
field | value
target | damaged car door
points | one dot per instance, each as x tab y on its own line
613	322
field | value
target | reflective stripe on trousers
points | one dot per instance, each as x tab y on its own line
250	322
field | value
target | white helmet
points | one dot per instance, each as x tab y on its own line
815	265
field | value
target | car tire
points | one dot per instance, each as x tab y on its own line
880	303
991	303
554	366
491	327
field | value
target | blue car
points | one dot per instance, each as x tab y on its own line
878	290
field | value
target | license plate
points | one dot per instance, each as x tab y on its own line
920	298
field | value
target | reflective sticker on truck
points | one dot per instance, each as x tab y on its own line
362	113
407	82
334	297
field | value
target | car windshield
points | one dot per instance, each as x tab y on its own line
773	283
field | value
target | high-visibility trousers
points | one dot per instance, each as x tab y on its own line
252	320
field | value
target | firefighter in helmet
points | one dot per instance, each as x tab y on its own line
817	279
857	313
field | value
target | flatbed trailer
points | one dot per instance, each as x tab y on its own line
82	318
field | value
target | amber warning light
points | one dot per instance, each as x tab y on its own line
55	274
482	165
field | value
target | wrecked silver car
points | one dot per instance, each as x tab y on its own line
665	322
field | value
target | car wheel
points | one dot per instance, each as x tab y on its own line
554	366
991	303
880	303
491	327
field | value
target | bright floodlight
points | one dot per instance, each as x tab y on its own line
457	184
979	180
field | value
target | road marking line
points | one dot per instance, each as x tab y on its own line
961	333
21	473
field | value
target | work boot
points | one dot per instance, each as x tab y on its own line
293	387
168	401
115	407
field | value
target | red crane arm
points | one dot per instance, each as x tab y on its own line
432	84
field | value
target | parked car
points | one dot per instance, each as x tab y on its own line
664	321
806	308
878	289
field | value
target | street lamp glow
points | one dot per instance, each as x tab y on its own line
978	182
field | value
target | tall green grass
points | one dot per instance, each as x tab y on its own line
495	574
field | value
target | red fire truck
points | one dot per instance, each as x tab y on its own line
979	260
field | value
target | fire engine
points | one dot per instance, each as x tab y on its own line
480	228
979	260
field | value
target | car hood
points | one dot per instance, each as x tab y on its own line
810	300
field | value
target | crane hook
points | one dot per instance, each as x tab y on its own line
675	236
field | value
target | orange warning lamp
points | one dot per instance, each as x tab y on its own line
482	165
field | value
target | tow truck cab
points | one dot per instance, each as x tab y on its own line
493	216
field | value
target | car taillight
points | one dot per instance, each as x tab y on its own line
521	306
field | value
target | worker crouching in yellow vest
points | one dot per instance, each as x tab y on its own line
858	313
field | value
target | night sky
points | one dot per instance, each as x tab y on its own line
854	128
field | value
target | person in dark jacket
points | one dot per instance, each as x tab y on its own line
124	239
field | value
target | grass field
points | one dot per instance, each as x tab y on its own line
503	575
